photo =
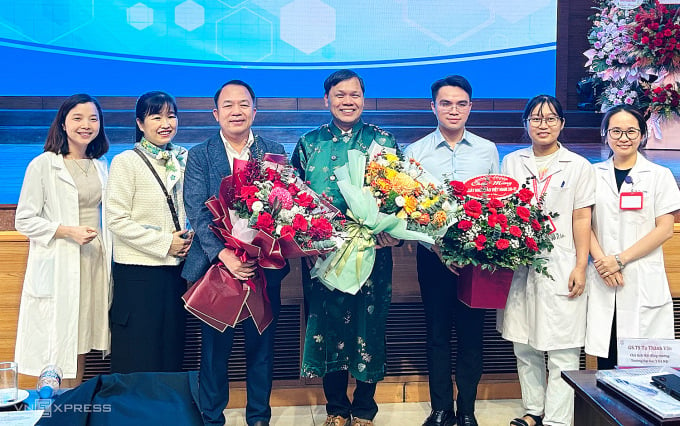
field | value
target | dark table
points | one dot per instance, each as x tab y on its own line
595	406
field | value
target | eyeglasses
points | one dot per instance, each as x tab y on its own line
550	121
617	133
446	106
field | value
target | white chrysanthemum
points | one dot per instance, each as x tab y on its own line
286	215
257	206
399	201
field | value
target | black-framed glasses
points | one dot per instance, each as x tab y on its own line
550	121
617	133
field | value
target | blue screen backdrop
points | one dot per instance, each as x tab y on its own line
284	48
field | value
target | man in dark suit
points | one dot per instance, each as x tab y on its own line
208	163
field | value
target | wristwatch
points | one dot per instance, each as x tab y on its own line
618	261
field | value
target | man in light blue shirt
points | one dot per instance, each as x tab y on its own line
451	152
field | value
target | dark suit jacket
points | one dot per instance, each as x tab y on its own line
207	165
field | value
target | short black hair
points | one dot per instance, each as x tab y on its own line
57	141
451	80
152	103
642	123
237	83
541	100
339	76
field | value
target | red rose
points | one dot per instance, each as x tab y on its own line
535	225
464	225
515	231
458	188
531	243
502	244
473	208
300	223
644	40
272	174
293	189
657	90
502	219
305	200
248	191
265	223
479	242
493	220
492	210
321	229
495	203
523	213
658	42
667	32
287	230
279	184
525	195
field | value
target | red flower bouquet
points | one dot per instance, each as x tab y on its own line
496	228
264	212
656	37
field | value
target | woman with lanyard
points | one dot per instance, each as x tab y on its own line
628	293
542	314
145	213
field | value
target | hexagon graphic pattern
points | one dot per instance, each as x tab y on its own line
44	21
245	36
233	3
139	16
307	25
515	10
189	15
443	26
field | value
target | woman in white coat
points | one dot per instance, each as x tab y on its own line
65	297
544	315
628	293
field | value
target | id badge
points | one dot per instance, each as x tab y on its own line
630	201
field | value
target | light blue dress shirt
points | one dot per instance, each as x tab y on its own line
472	156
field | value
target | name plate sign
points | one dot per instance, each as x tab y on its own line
648	352
491	186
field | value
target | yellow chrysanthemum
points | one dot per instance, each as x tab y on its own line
390	173
416	214
391	158
404	184
383	185
401	214
410	205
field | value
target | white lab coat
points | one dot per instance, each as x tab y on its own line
644	307
538	311
47	331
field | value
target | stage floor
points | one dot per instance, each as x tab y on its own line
17	156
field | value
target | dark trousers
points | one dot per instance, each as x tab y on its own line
438	290
147	319
363	403
213	380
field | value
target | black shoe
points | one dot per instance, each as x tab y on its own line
440	418
261	423
466	419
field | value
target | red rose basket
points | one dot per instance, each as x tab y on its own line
218	298
482	288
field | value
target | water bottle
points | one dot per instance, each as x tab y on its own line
49	381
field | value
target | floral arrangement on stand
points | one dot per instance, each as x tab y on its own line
634	51
264	212
504	232
384	193
664	100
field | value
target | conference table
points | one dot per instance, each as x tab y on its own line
596	406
